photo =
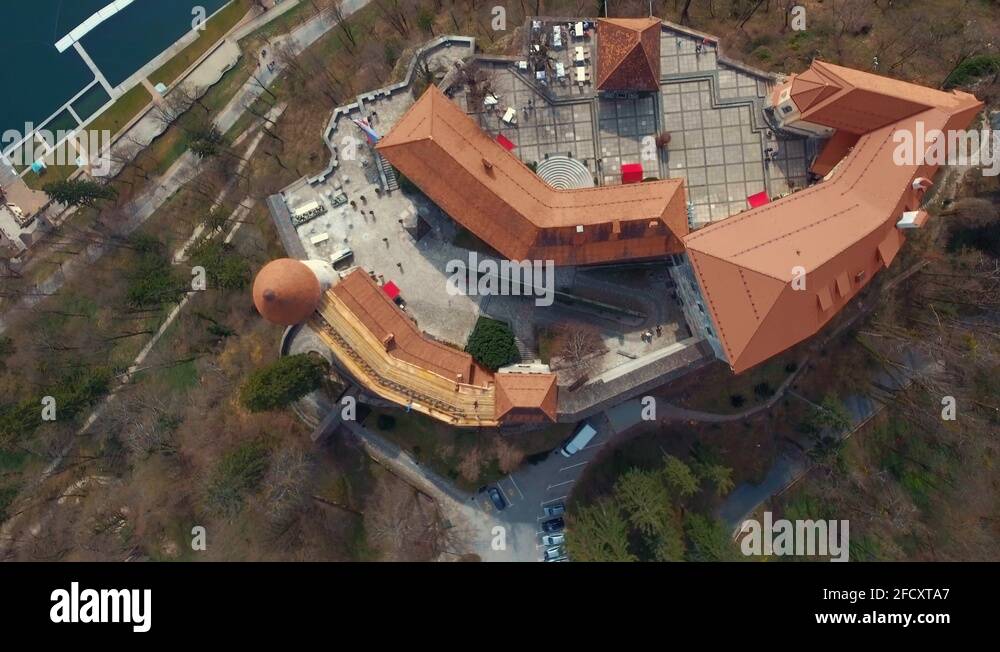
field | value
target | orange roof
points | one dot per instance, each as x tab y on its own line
628	54
525	397
489	191
520	397
835	149
399	334
839	233
860	102
286	291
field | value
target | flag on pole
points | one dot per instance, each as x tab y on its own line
367	128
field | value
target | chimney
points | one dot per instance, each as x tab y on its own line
487	164
388	340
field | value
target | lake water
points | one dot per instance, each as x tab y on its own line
35	79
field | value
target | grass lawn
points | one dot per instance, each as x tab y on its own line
546	339
216	27
122	111
51	174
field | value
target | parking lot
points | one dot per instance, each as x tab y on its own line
534	487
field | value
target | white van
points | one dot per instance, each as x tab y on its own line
579	440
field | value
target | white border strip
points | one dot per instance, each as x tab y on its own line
86	26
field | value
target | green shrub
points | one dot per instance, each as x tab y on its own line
279	384
491	344
152	279
225	268
236	475
972	69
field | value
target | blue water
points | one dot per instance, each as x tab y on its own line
35	79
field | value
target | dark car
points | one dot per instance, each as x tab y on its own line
498	500
553	525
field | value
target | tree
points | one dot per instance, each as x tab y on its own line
394	12
152	281
225	267
206	141
79	192
679	476
720	476
650	509
7	349
425	20
708	539
644	498
237	474
282	382
598	533
337	12
286	483
492	345
578	342
830	413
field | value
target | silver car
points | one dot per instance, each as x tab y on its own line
553	552
558	509
553	539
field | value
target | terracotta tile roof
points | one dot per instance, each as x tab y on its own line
841	232
628	54
834	149
489	191
525	398
286	291
384	319
861	102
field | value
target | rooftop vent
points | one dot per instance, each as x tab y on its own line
912	220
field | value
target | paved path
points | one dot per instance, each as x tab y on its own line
792	465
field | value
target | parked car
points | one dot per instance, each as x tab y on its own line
558	509
497	498
553	525
553	539
554	552
584	433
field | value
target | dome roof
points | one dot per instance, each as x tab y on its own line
286	291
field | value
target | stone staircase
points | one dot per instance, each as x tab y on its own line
524	351
391	182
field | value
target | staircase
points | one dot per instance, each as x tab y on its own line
525	352
389	172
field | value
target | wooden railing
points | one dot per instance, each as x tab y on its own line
399	381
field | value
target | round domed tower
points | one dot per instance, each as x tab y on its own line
287	291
